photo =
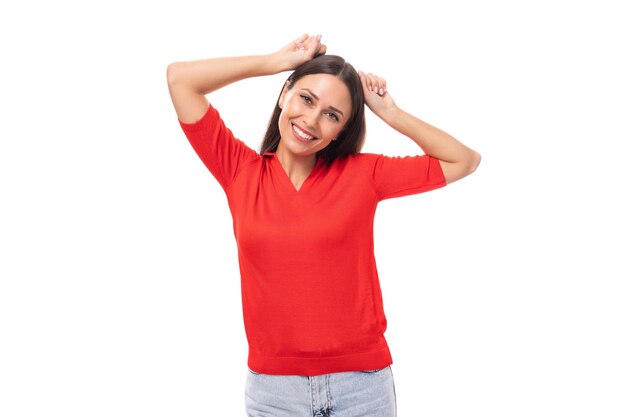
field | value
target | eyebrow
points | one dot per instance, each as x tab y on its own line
317	98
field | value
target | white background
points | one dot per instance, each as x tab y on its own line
504	292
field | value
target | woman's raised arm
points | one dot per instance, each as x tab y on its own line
456	159
190	81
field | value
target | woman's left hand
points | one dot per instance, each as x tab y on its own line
377	97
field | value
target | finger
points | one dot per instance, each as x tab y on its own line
320	48
362	78
370	81
382	85
313	42
378	83
300	41
375	83
365	80
314	45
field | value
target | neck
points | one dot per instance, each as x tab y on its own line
296	166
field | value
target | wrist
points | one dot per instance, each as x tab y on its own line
389	113
275	63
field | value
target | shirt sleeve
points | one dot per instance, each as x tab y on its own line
222	153
397	176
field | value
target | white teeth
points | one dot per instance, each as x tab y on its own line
302	134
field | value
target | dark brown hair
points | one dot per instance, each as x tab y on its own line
352	137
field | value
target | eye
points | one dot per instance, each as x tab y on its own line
306	98
334	116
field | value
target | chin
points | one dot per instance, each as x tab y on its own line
298	148
303	153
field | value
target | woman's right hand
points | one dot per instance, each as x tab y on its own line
299	51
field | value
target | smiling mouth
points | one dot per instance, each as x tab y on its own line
300	134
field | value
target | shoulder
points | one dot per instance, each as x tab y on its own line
352	161
362	157
366	160
360	160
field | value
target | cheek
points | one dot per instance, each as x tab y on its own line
335	129
289	111
294	105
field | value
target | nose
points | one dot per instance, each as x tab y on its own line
312	118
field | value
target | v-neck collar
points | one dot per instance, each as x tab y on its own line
285	177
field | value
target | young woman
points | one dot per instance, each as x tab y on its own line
303	210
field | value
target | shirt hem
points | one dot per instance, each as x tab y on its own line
313	366
210	113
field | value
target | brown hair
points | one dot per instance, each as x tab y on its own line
352	137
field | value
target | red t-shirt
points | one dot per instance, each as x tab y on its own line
312	302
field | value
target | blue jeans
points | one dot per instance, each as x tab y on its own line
341	394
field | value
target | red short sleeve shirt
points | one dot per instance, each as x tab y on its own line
312	302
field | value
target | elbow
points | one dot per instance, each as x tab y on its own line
454	171
469	164
171	70
474	161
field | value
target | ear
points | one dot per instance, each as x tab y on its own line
281	99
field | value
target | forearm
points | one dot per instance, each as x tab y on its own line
433	141
207	75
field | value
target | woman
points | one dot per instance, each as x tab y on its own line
303	210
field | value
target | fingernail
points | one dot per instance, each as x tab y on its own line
319	36
376	90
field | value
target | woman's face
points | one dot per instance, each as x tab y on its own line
314	112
